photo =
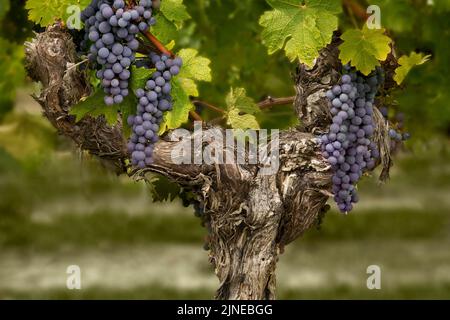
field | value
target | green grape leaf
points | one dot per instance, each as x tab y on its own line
242	121
4	7
307	27
95	106
241	110
407	63
189	86
170	45
46	12
195	68
127	108
175	11
164	30
162	189
139	77
365	48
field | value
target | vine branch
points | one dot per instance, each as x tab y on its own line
356	9
195	116
157	44
207	105
271	102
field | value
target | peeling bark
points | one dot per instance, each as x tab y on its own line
250	216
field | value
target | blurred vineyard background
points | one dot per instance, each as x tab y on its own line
60	207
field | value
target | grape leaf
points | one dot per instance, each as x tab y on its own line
127	108
95	106
407	63
139	77
175	11
308	27
189	86
241	110
242	121
195	68
164	29
364	48
170	45
46	12
162	189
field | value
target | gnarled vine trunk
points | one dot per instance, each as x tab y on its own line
250	216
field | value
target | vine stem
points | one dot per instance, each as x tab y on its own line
271	102
356	9
265	104
208	105
194	115
157	44
76	65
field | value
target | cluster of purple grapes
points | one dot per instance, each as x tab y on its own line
398	136
348	146
396	133
111	26
154	100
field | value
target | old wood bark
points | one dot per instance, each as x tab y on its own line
250	216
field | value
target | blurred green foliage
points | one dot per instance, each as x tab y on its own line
14	29
12	73
417	26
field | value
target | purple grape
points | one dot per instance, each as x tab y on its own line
346	79
103	53
109	101
336	103
343	97
174	70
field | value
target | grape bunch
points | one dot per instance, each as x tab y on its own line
112	27
395	135
154	100
396	132
348	146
